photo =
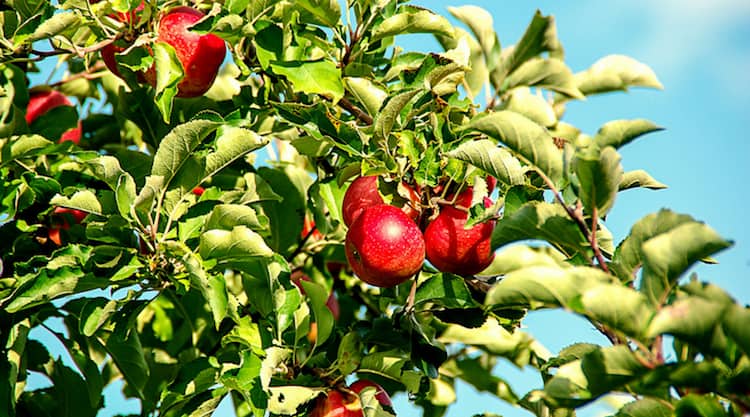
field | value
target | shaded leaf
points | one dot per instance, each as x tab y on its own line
599	174
639	178
496	161
621	132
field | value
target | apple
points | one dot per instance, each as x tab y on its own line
384	246
491	183
345	404
308	227
198	191
64	218
200	55
43	101
363	193
453	248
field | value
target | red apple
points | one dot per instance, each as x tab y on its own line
63	218
491	183
362	193
384	246
453	248
200	55
43	101
198	191
344	404
308	227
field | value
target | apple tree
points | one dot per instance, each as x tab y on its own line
272	203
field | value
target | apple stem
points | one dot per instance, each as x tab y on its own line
412	294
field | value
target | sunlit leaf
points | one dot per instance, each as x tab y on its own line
616	73
494	160
313	77
621	132
412	21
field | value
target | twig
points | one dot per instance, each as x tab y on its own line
355	111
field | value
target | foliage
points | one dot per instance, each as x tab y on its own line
186	296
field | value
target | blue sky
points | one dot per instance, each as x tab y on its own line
700	50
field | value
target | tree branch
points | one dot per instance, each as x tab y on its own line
355	111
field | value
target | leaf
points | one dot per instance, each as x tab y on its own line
514	257
599	174
639	178
247	381
23	146
599	371
327	12
616	73
287	400
540	36
169	73
233	247
84	200
646	407
695	405
212	287
366	92
313	77
227	216
525	138
620	308
127	353
386	118
487	156
667	256
480	23
445	290
413	21
735	325
493	338
544	286
618	133
323	315
533	106
544	221
107	168
688	318
232	143
55	25
477	374
548	73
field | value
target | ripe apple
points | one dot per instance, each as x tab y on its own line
308	227
363	193
453	248
384	246
345	404
43	101
200	55
491	183
63	217
198	191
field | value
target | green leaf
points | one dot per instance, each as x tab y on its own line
288	399
496	161
514	257
323	316
689	318
543	221
349	353
327	12
646	407
735	325
386	118
232	143
313	77
127	353
548	73
628	256
445	290
599	174
616	73
599	371
55	25
667	256
366	92
169	73
517	347
694	405
525	138
227	216
533	106
212	287
412	21
639	178
544	286
618	133
480	376
480	23
540	36
84	200
620	308
233	247
107	168
247	380
23	146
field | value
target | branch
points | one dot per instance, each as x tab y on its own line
355	111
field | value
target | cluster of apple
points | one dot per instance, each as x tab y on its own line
385	245
346	402
200	55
